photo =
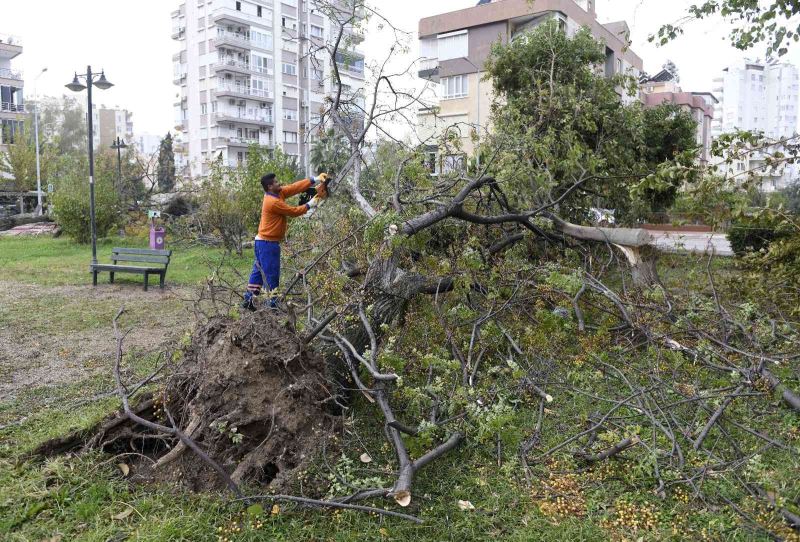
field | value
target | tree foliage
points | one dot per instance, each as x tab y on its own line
166	165
70	201
562	129
773	23
19	160
329	153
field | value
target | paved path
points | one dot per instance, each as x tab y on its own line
695	242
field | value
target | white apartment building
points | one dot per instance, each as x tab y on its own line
110	124
763	97
246	77
12	104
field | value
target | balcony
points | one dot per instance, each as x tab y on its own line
10	46
232	115
234	16
179	78
240	67
240	40
241	91
8	107
233	39
429	69
6	73
179	31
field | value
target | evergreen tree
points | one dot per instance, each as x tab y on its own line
166	165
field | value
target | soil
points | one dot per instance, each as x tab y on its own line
249	392
31	358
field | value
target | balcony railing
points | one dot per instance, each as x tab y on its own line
7	107
10	74
240	40
242	90
8	39
428	64
237	65
234	38
178	31
232	115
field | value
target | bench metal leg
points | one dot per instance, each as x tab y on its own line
112	277
94	278
146	277
161	281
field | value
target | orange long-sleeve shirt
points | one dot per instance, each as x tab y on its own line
274	211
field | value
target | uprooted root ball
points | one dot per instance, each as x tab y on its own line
248	392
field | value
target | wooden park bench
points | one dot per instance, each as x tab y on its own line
158	260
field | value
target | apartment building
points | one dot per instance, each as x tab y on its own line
246	76
455	45
110	124
12	104
664	88
762	97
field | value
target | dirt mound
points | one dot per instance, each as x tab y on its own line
248	392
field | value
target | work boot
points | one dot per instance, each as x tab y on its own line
248	304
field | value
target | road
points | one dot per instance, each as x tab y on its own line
695	242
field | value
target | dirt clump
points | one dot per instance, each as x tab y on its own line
248	391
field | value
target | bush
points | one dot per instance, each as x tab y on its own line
179	206
751	235
71	206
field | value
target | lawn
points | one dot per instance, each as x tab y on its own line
45	291
60	261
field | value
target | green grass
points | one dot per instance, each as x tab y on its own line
56	262
86	498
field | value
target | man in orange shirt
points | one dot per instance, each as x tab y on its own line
272	230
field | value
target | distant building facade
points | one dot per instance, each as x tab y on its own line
12	104
455	45
110	124
664	88
761	97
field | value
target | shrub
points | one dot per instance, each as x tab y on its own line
71	205
751	235
179	206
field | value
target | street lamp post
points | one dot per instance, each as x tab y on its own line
76	86
118	145
39	207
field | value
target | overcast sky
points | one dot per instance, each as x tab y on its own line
131	41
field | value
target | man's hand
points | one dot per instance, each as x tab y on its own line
313	203
321	178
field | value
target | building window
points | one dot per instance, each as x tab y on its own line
290	114
454	87
317	31
258	11
290	137
619	65
453	45
203	109
289	68
316	75
238	6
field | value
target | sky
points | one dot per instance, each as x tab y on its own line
131	42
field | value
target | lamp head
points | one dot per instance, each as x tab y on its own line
76	85
103	83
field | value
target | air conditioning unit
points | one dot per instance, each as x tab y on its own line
242	102
263	129
231	101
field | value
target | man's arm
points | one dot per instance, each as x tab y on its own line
296	188
282	208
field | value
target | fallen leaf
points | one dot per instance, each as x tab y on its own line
403	498
124	514
126	470
276	509
365	458
383	532
466	505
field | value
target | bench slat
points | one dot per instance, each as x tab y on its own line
134	258
128	269
142	251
